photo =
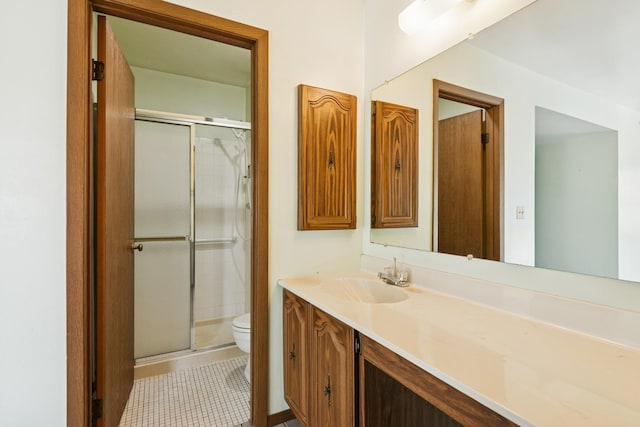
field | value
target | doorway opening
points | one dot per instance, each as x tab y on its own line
468	142
80	210
192	212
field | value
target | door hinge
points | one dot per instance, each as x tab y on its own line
373	108
357	347
485	139
96	408
373	219
97	70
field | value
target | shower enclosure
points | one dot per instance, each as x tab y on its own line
192	216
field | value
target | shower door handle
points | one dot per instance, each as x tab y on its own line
136	246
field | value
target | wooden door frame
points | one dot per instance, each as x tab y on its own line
495	170
80	194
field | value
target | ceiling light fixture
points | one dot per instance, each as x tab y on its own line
415	16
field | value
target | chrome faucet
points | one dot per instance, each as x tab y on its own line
394	276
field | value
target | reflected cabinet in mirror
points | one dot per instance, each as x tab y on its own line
556	184
394	165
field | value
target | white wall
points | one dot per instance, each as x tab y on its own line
576	194
156	90
32	213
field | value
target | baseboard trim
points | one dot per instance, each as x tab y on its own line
279	418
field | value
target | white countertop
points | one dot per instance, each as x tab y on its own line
529	371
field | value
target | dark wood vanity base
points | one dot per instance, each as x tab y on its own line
395	392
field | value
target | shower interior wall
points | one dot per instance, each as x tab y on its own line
221	270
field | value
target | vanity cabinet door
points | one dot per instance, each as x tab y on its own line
296	371
332	372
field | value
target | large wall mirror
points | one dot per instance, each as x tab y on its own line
570	180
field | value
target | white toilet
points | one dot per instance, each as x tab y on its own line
242	335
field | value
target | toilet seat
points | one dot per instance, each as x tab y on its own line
242	322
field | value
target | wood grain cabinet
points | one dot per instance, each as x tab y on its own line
319	368
296	359
332	372
394	166
326	159
396	393
327	383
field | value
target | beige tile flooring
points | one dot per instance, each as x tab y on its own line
214	395
214	332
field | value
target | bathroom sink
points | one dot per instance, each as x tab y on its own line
358	289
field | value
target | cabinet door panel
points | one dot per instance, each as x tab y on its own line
394	166
296	327
327	159
332	372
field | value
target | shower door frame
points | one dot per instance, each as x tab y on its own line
168	120
80	194
176	119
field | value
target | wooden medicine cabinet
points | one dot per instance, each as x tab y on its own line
326	159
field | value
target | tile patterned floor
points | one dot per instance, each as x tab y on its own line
292	423
215	395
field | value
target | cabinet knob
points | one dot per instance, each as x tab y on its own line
292	355
327	390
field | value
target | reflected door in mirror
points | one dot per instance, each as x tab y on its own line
467	153
460	185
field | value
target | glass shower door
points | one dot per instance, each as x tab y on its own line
163	225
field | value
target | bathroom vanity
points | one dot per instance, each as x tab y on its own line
329	367
358	352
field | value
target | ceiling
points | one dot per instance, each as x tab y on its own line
591	45
158	49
